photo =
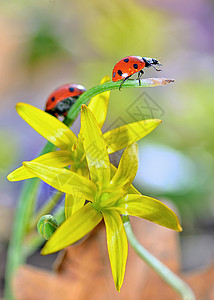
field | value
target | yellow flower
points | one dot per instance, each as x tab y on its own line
108	197
71	151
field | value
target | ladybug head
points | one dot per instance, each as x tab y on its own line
62	107
151	62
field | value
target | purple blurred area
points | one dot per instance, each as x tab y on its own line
46	44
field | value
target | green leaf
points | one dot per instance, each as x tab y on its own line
95	148
99	104
149	209
127	168
58	159
126	135
47	125
73	229
63	180
117	246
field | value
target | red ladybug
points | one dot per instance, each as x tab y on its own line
60	100
130	65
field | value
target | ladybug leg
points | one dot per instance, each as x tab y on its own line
124	81
140	74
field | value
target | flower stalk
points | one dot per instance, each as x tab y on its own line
108	86
24	209
166	274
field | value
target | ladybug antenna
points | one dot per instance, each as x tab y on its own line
159	70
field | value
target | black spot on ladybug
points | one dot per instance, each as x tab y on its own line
52	99
71	89
135	66
114	74
119	72
126	60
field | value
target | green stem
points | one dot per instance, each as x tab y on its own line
166	274
14	254
23	213
86	96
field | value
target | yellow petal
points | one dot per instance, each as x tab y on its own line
72	204
47	125
149	209
73	229
95	148
131	189
58	159
63	180
99	104
126	135
117	246
127	168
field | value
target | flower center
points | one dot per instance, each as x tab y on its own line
108	198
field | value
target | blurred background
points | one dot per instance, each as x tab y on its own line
47	43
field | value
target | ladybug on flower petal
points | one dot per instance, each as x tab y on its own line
61	99
130	65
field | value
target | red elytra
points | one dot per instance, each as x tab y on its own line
127	66
61	99
130	65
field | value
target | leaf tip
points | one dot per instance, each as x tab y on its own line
166	80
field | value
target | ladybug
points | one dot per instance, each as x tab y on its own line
130	65
61	99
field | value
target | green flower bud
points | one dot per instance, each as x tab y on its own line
46	226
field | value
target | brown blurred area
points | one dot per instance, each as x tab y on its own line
83	271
